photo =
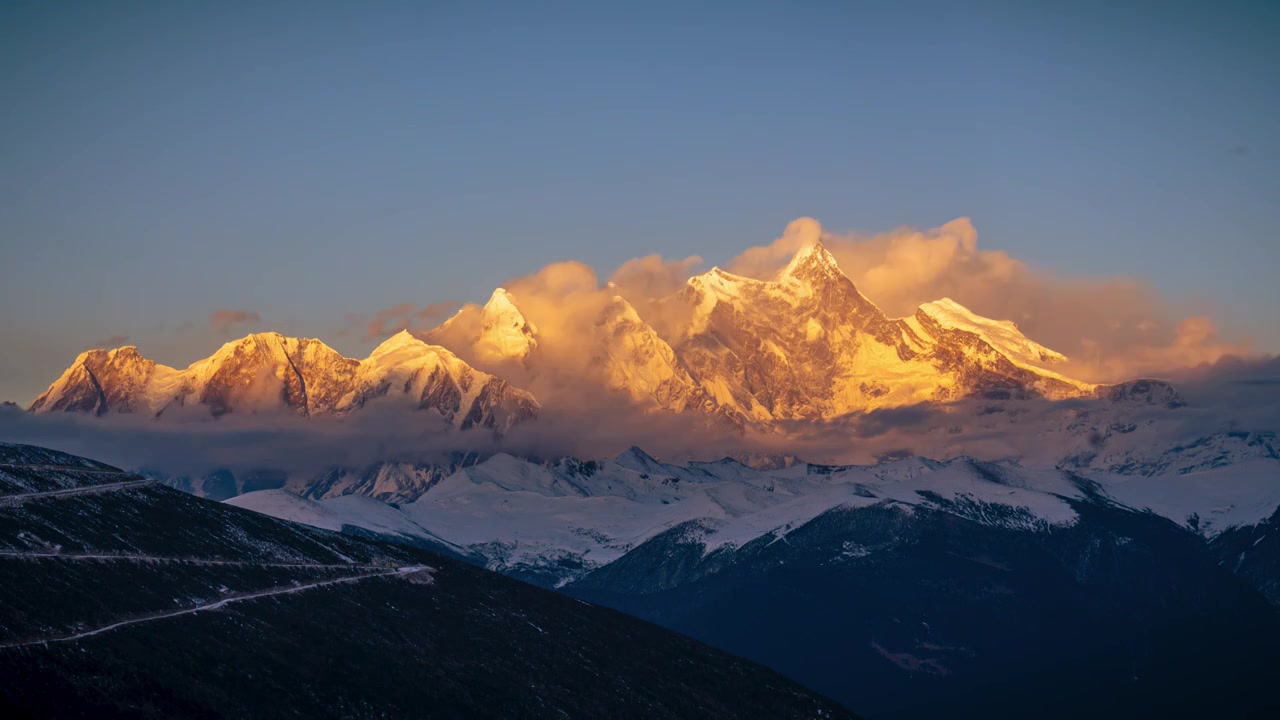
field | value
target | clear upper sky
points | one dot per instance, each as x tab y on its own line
311	160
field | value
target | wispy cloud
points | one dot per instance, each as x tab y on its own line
223	319
391	320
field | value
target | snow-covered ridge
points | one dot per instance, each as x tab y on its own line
267	372
572	516
1003	335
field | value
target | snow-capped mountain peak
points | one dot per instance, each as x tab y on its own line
103	381
811	267
505	334
398	342
804	345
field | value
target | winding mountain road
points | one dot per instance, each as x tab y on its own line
85	489
216	605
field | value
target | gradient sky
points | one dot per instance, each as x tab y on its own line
306	161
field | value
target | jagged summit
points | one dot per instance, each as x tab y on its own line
620	310
812	275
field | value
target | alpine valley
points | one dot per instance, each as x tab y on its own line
916	516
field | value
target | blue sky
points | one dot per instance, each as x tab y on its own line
307	161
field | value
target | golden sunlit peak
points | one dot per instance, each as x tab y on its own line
805	235
808	259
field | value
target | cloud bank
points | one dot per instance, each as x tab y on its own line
1231	396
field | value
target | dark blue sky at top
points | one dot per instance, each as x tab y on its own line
312	160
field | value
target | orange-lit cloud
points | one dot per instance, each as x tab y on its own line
652	276
567	303
223	320
564	301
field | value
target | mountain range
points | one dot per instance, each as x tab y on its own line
269	372
803	346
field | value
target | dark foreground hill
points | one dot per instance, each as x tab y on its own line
120	597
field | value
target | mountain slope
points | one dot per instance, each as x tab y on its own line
124	598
